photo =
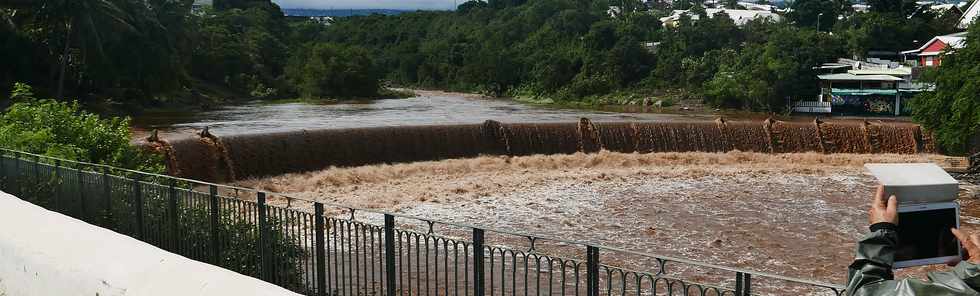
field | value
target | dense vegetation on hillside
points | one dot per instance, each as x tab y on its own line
151	53
574	50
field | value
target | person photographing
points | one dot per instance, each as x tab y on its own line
871	272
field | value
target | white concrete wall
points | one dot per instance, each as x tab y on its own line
46	253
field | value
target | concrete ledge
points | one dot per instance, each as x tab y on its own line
47	253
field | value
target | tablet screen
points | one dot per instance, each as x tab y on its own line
925	234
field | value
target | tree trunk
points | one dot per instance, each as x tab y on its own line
64	62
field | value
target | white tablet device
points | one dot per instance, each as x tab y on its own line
924	235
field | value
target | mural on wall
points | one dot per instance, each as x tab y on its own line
879	106
866	104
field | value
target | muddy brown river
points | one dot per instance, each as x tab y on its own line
428	108
797	215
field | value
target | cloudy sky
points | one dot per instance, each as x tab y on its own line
391	4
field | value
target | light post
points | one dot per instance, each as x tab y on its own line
819	16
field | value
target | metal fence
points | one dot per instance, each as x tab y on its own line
317	248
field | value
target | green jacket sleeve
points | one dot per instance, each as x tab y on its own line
871	272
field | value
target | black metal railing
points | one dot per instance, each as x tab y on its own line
325	249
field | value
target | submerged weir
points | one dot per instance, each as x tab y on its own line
229	158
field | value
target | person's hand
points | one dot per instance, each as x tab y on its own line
971	245
883	210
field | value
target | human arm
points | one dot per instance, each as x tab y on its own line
871	271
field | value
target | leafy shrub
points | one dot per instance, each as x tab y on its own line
21	92
63	130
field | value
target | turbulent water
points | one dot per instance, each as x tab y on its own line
243	156
796	214
794	209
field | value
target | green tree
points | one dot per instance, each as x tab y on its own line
877	31
775	72
952	112
682	4
333	71
900	7
810	13
118	49
242	49
86	21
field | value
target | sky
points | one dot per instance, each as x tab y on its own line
368	4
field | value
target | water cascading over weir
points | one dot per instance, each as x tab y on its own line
236	157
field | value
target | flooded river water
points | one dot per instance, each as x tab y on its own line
428	108
795	214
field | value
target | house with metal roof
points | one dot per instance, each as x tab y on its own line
862	86
739	16
756	6
970	15
862	93
931	53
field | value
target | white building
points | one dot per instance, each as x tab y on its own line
739	16
970	15
756	6
198	6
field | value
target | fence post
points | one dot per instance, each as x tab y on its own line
4	178
83	207
17	174
215	251
743	284
390	255
738	284
56	198
264	270
107	193
747	284
592	270
37	179
138	204
172	214
478	262
321	264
